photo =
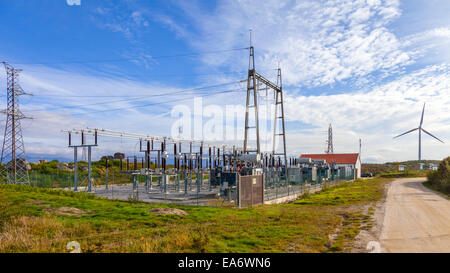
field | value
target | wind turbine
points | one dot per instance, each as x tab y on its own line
420	133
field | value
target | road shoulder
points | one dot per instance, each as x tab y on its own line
373	234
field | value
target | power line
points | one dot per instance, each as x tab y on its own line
156	103
137	59
138	98
100	96
178	75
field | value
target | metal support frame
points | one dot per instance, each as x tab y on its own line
251	92
75	168
89	170
14	169
75	157
279	103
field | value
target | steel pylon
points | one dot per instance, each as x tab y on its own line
13	169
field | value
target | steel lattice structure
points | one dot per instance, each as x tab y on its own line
330	141
13	168
253	81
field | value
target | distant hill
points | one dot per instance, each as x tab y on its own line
393	166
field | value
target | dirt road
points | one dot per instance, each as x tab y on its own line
416	219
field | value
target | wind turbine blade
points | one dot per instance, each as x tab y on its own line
407	132
432	135
423	111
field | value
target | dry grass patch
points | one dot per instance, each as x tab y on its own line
168	211
31	234
67	211
40	203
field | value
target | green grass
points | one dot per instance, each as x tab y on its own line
345	194
117	226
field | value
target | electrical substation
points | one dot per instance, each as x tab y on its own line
206	173
199	173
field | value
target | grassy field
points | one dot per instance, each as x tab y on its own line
45	220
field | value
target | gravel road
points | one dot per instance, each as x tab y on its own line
416	219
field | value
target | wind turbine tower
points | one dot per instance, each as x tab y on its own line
421	129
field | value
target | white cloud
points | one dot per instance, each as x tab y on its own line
171	24
138	19
317	42
378	115
432	45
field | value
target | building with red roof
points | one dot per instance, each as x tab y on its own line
349	162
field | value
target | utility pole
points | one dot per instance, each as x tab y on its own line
13	168
360	148
330	141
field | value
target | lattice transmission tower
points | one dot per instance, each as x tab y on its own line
13	169
330	140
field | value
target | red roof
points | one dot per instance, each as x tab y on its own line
334	158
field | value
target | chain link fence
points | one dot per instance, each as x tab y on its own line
299	182
186	188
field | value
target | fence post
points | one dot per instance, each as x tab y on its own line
106	174
185	183
112	185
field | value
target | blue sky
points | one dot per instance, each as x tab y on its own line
367	67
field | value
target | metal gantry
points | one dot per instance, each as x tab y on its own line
254	80
252	92
13	168
83	145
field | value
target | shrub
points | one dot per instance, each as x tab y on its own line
440	179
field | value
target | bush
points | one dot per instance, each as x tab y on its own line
440	179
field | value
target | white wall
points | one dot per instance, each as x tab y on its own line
358	166
350	168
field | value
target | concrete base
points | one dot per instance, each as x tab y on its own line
291	197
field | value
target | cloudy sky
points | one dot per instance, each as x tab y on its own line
367	67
